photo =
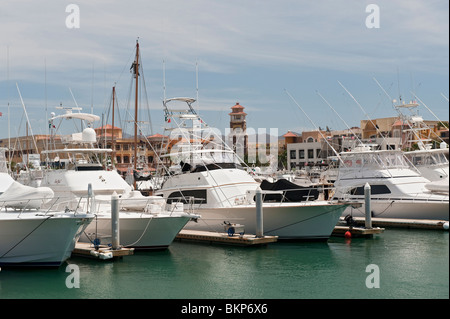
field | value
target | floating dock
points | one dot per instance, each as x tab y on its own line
224	238
404	223
103	252
340	231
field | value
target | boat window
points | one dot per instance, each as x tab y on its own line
89	168
213	166
198	196
374	190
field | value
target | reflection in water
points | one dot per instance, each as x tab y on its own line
413	264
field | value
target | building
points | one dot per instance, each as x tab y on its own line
313	148
238	126
401	127
148	148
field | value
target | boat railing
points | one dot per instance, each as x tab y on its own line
44	206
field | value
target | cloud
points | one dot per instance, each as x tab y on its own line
246	49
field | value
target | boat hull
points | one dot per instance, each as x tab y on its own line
39	240
138	230
309	221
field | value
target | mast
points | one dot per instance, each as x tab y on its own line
136	71
112	133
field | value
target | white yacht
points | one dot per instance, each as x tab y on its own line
210	178
145	222
398	190
30	235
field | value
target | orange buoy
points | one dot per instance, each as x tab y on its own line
348	234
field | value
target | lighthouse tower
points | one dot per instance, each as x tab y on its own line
238	126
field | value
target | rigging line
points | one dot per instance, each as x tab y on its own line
146	98
26	236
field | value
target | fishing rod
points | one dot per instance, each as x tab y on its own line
365	113
298	105
348	127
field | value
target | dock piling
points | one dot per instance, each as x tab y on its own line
115	221
259	214
367	192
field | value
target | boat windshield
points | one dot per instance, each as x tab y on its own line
428	158
373	160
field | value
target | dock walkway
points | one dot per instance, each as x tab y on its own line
224	238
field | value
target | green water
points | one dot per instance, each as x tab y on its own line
412	264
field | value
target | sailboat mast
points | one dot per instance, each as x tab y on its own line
112	132
136	71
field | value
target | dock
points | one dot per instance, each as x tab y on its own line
340	231
103	252
405	223
224	238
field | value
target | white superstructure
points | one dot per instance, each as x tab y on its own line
208	176
398	189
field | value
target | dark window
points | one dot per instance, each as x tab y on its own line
199	196
301	154
374	190
310	154
89	168
293	154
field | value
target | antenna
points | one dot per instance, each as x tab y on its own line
196	80
164	80
92	90
9	117
46	109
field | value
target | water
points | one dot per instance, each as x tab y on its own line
413	264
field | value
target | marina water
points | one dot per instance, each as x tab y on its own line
411	263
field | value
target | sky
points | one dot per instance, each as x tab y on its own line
276	58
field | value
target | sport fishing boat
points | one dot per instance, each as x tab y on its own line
146	222
207	175
30	235
398	190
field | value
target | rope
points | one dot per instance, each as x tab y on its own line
26	236
145	230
